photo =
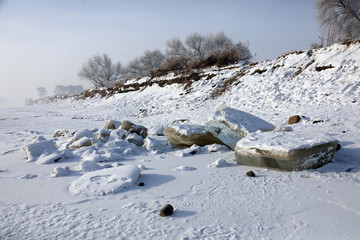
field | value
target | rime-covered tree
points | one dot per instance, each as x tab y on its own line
134	68
41	92
100	70
143	65
61	90
175	48
339	19
152	59
214	44
195	42
177	56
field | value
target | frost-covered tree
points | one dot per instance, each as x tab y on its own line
177	56
214	44
61	90
176	48
339	19
134	68
100	70
195	42
152	60
143	65
41	92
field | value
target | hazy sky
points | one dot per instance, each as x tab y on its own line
45	42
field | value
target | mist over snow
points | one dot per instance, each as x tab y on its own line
87	186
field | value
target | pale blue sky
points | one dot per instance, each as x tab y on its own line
45	42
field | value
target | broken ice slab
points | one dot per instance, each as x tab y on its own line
37	149
288	151
230	125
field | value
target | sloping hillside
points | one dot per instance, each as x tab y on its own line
42	199
319	76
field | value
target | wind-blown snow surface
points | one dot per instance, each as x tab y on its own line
210	202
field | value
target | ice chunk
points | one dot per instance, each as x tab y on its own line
35	150
49	158
230	125
83	133
118	134
60	172
154	146
242	122
106	181
218	163
285	150
135	139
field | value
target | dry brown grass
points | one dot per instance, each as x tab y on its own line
321	68
259	71
235	80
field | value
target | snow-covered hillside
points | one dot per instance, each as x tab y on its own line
212	200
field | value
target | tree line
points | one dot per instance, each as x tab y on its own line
339	21
197	51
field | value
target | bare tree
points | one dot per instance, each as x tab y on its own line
195	42
152	60
339	19
100	70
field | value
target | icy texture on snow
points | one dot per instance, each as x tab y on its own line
88	166
188	129
185	168
106	181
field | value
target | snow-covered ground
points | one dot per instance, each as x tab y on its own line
212	199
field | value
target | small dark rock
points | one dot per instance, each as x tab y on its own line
167	210
180	121
338	147
294	119
250	174
193	152
343	131
141	184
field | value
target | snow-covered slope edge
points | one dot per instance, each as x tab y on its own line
211	200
